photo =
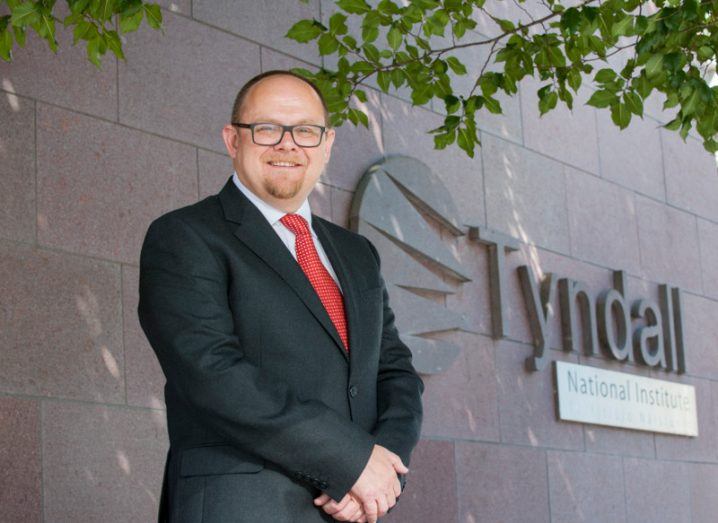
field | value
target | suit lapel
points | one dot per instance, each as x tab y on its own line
341	267
257	234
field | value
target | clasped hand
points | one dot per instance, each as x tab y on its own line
373	494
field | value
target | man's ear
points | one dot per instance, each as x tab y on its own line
231	139
329	142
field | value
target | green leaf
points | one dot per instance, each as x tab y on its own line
705	53
394	38
654	65
397	77
492	104
26	13
633	102
602	98
356	7
328	44
304	31
93	51
154	15
620	115
129	23
6	44
456	66
548	102
337	24
383	78
114	44
623	26
605	76
574	79
466	141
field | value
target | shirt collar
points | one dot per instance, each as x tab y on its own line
272	214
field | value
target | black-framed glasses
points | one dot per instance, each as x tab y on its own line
304	135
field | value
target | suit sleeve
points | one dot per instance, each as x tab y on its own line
185	314
399	388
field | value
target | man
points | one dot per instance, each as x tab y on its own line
290	396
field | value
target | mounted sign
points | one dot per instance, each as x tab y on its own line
618	399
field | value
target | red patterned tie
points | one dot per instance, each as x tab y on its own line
321	280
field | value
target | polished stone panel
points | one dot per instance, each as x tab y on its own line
253	21
102	463
169	86
66	78
708	239
602	220
17	167
461	401
525	195
575	478
691	179
20	461
501	483
568	136
656	491
430	492
632	156
668	238
527	401
96	198
61	330
214	171
143	374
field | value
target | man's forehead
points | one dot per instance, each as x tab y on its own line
271	99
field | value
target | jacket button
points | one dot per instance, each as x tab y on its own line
353	391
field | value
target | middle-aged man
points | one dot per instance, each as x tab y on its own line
290	396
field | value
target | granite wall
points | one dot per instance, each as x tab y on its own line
89	157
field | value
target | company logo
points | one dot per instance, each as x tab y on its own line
404	209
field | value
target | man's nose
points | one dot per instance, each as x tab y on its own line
286	141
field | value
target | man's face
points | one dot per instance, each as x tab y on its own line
283	174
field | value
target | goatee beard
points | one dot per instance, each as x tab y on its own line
282	191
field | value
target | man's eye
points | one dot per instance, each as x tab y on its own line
306	130
265	129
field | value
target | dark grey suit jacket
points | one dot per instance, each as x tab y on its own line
264	407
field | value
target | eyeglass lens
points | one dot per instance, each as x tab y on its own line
271	134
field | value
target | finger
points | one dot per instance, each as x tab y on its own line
357	515
398	464
347	513
382	505
321	500
390	500
333	507
397	487
371	510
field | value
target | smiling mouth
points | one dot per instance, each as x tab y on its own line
284	164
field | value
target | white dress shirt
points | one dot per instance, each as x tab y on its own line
273	215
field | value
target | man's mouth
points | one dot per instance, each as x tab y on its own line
284	164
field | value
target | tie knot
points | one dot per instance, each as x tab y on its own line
295	223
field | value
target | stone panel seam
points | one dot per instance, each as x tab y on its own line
196	155
73	401
521	115
700	257
625	489
568	210
598	143
35	242
663	166
117	86
235	35
122	334
123	125
41	450
548	485
59	250
456	484
483	179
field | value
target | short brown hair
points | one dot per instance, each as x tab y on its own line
242	94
